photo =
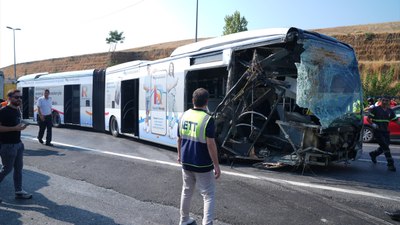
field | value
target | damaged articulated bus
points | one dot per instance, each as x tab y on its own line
281	96
291	100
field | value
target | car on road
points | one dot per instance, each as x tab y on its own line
394	128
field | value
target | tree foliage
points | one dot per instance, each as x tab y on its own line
234	23
114	37
374	86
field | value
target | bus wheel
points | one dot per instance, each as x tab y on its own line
114	127
56	119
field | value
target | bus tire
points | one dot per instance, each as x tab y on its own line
56	119
114	130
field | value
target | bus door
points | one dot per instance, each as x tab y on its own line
98	100
72	106
28	102
130	106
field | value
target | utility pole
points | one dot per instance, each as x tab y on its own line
197	9
15	63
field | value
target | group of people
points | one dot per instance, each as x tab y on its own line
196	147
372	103
197	150
11	146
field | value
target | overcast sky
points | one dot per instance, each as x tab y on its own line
61	28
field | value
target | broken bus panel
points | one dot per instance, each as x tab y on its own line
289	102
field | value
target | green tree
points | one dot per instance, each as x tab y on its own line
373	86
114	37
234	23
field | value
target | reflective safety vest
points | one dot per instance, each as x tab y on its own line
193	125
194	151
382	117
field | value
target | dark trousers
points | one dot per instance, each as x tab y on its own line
43	125
383	139
11	157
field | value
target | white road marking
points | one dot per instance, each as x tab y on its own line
279	181
392	146
368	160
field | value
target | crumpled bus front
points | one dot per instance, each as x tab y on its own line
297	103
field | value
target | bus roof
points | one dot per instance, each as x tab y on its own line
124	66
31	76
231	39
46	75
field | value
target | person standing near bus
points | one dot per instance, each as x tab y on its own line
12	148
379	118
44	105
197	152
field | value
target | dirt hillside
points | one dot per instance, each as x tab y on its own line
377	48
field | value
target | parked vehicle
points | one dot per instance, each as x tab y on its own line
394	128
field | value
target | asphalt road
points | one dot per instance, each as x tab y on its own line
94	178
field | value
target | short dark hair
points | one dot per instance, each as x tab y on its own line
11	93
371	102
200	97
46	90
385	98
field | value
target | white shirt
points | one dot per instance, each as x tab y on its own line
44	105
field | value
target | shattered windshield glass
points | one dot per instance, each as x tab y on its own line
328	82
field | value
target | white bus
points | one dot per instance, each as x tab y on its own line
284	96
77	97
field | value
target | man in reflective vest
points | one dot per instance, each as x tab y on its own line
197	152
379	117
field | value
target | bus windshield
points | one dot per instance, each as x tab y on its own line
328	82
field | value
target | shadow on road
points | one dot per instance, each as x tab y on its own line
15	212
42	152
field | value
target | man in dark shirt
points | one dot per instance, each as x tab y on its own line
379	117
11	148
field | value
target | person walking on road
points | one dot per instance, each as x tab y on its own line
44	119
197	152
379	117
11	148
